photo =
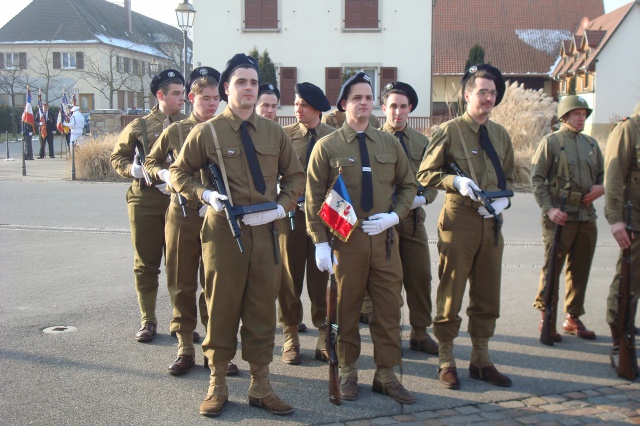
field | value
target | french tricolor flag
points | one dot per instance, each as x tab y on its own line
337	212
27	115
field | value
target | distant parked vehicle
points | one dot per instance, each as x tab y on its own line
135	111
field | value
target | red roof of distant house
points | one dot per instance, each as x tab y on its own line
520	37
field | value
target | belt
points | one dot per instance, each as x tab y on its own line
192	204
573	198
462	200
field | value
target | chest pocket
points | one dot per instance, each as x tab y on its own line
385	167
233	161
351	171
268	155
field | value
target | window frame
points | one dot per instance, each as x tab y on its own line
261	29
360	29
71	57
13	65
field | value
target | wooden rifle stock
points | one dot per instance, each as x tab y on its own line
627	363
551	285
181	199
332	337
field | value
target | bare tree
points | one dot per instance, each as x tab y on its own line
52	81
106	73
13	81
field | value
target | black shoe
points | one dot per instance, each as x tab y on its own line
52	156
41	157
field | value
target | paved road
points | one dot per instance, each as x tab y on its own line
66	260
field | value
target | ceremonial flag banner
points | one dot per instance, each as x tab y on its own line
43	124
61	115
27	115
337	212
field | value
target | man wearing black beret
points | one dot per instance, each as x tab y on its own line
382	187
147	205
398	101
253	153
268	100
470	248
298	251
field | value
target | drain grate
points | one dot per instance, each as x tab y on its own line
59	329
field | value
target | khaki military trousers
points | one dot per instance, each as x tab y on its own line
577	246
612	300
298	253
147	236
416	267
362	265
183	260
239	286
468	251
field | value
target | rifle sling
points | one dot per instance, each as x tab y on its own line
145	136
223	170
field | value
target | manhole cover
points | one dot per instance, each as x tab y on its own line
60	329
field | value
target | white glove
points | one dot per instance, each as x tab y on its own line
379	222
203	210
213	198
162	187
136	168
165	176
323	257
498	205
260	218
465	186
418	201
301	206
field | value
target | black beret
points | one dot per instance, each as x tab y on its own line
163	77
201	72
238	60
405	89
268	87
313	95
344	90
500	84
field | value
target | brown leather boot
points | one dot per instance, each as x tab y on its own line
573	325
395	390
212	405
261	394
218	392
427	345
489	374
146	333
448	377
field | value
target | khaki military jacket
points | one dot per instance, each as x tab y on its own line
336	118
586	168
273	148
299	135
170	140
446	148
124	150
622	176
416	145
391	173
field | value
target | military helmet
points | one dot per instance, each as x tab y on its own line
569	103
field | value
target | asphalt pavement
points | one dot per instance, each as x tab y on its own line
66	262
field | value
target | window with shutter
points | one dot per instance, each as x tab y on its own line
361	14
121	99
261	14
56	60
80	60
372	72
288	80
387	75
22	60
1	61
332	83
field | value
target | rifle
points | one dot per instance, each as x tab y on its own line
142	158
292	214
181	199
627	363
415	213
551	285
333	330
486	198
234	212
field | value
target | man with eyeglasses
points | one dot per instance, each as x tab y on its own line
569	164
470	246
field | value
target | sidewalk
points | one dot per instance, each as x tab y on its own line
45	169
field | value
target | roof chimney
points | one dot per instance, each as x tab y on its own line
127	15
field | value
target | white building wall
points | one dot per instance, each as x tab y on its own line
617	88
311	38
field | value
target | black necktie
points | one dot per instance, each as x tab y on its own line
367	181
312	142
404	145
252	159
486	144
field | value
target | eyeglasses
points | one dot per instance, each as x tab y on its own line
483	93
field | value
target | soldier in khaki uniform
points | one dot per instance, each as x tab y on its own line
182	234
622	184
252	152
398	100
268	100
147	205
569	163
379	180
298	250
470	246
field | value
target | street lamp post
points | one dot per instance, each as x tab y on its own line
153	70
186	15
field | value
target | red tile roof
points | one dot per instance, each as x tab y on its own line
520	37
596	32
